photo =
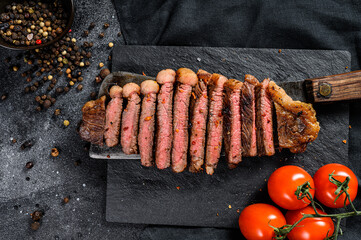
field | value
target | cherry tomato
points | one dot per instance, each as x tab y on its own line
255	221
283	183
309	228
325	190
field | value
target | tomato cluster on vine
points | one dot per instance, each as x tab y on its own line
293	189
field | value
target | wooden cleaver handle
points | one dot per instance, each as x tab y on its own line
339	87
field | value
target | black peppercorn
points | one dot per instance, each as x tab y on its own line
101	35
47	103
106	25
91	26
4	96
29	165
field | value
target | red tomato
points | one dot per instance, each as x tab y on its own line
283	183
309	228
255	219
325	190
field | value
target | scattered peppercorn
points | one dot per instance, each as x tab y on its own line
101	65
4	96
26	144
15	68
98	79
57	112
91	26
66	200
111	44
106	25
101	35
104	72
66	123
85	33
35	225
93	95
36	215
29	165
79	87
54	152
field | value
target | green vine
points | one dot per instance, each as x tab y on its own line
303	191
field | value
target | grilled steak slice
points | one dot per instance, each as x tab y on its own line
264	106
113	116
186	80
215	122
149	89
296	121
164	118
199	114
130	119
248	111
232	122
93	124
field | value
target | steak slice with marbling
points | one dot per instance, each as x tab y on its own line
199	115
232	122
149	89
130	119
164	135
264	123
215	122
248	113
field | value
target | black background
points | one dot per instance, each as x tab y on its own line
257	24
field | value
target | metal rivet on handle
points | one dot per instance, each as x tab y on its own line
325	89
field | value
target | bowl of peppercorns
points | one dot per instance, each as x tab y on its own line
26	25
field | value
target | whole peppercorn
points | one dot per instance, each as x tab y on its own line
29	165
93	95
98	79
101	65
111	44
35	225
37	98
57	112
85	33
91	26
101	35
4	96
15	68
119	34
66	89
47	103
79	87
66	123
38	108
66	200
106	25
54	152
104	72
37	215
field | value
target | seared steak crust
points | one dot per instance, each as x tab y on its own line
93	123
215	122
296	121
232	122
199	115
248	111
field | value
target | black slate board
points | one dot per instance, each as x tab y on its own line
149	196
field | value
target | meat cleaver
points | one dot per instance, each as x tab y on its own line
339	87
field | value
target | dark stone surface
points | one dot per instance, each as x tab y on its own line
147	195
83	219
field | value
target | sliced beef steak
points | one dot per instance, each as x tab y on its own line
130	119
113	116
199	115
232	122
93	124
264	124
248	112
149	89
215	122
296	121
164	134
186	80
